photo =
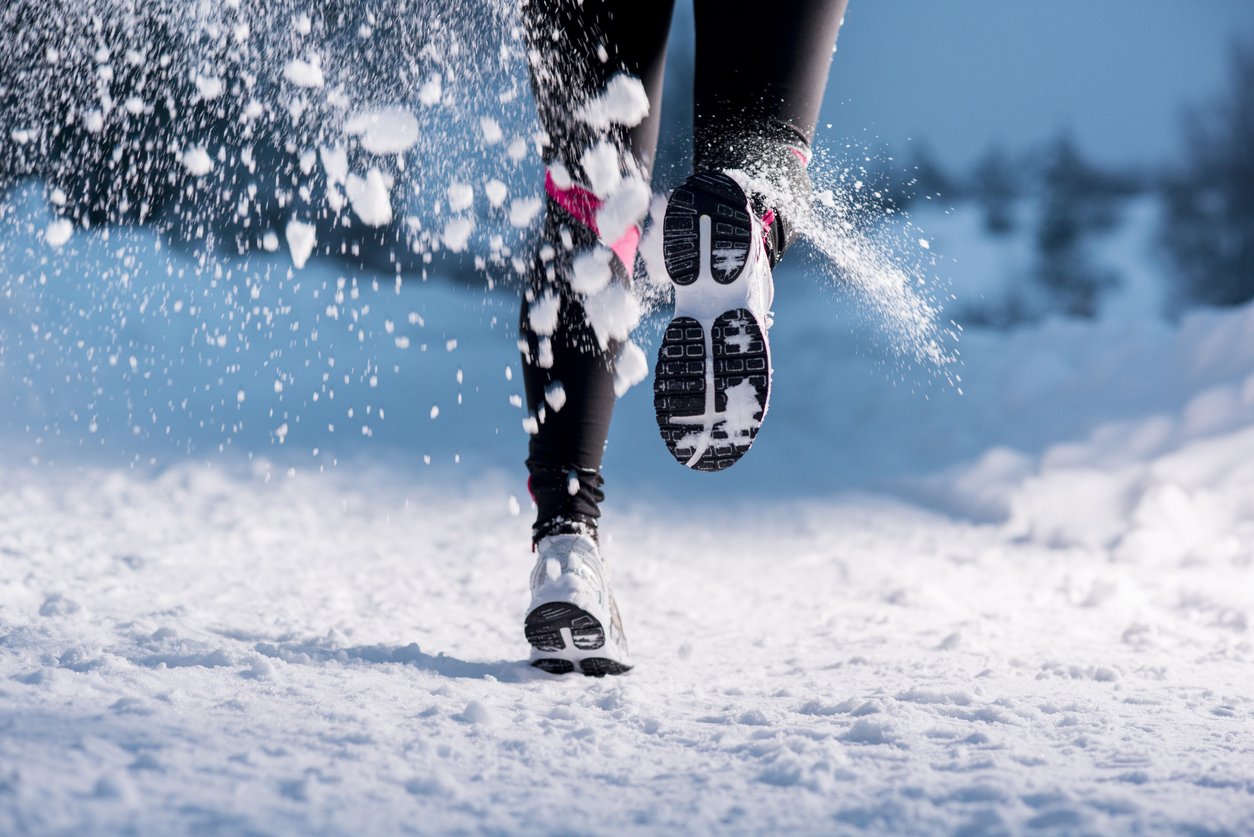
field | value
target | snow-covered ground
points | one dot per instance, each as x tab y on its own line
1023	608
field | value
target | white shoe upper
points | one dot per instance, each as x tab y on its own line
758	274
570	569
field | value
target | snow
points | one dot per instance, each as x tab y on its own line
613	313
209	87
920	683
457	232
602	167
624	102
1026	608
303	73
496	191
542	314
491	130
624	208
555	396
523	211
590	270
334	163
389	130
58	232
431	91
301	238
370	197
197	161
630	367
461	196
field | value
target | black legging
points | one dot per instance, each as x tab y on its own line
761	69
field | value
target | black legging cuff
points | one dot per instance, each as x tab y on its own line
559	509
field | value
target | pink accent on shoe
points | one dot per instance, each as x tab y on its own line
800	154
582	204
768	218
625	248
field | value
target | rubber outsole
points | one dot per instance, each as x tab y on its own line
703	429
721	198
546	628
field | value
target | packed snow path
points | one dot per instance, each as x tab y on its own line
207	650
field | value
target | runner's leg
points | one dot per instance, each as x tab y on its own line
576	47
760	77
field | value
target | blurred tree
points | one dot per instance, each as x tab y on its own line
1209	220
927	177
1078	201
996	184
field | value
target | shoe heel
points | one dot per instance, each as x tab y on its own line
712	380
719	198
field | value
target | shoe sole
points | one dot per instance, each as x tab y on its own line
712	380
570	634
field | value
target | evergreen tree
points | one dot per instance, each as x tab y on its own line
1209	219
996	183
926	175
1078	201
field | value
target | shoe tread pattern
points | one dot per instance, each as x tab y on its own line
679	383
543	628
740	353
721	198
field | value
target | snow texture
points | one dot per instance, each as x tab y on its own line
630	367
496	191
613	313
542	314
370	198
624	102
390	130
457	232
303	73
197	161
523	211
602	167
461	196
58	232
931	676
301	238
590	270
623	208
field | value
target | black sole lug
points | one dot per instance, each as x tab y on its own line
555	666
543	628
741	368
721	198
544	625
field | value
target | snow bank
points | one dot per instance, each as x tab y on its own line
1164	484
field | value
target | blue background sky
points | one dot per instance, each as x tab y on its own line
963	73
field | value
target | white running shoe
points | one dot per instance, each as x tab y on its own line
713	376
571	609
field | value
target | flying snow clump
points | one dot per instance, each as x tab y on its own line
301	238
370	198
624	102
303	73
197	161
389	130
